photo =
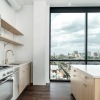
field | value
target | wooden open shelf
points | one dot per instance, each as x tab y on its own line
10	28
10	41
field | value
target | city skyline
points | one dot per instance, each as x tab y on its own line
89	53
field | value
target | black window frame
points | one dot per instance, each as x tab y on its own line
85	10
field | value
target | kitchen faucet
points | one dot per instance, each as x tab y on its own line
6	59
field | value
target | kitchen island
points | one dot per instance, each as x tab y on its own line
85	82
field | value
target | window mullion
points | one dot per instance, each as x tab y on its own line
86	36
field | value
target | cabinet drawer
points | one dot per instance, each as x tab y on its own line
87	78
75	71
28	66
21	68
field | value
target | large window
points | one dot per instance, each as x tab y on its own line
93	36
67	36
74	39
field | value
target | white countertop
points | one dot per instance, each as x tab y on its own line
19	64
12	68
93	70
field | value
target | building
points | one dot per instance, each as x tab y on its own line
75	52
95	54
89	53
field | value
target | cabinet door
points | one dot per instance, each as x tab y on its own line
21	81
75	83
89	92
77	88
82	88
72	83
24	77
86	90
73	79
74	86
28	74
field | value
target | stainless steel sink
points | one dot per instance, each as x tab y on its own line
14	63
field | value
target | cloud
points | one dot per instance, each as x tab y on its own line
76	26
68	23
68	32
93	20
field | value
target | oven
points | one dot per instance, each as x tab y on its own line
6	88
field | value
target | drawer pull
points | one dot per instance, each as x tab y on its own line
86	77
74	75
74	70
85	85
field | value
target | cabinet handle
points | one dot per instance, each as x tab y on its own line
85	85
74	70
86	77
74	75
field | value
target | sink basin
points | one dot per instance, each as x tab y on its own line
14	63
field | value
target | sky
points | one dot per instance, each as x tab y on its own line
68	33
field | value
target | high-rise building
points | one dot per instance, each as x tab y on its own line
98	53
95	54
75	52
89	53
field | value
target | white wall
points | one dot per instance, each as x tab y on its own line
24	22
7	12
47	46
40	43
9	15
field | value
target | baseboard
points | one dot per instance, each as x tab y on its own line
59	80
47	84
31	84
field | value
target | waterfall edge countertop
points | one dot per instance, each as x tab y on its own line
93	70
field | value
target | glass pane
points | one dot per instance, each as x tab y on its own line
60	70
68	36
93	62
93	36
